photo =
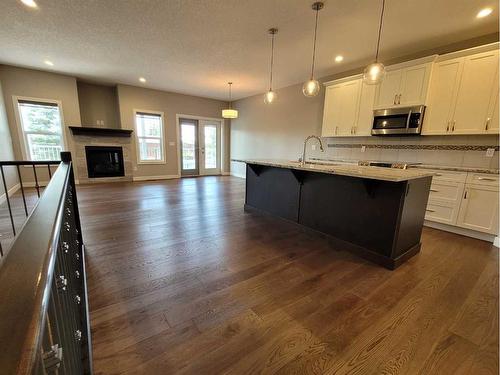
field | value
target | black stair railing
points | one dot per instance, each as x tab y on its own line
44	321
17	164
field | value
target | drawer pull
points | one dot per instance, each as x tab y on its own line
434	191
438	174
486	179
429	210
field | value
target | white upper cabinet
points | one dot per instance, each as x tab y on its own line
348	109
478	88
365	115
388	90
492	125
442	96
463	96
404	87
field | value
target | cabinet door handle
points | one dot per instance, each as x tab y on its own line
438	174
395	99
465	194
434	190
486	179
399	98
453	126
336	130
487	123
448	126
429	210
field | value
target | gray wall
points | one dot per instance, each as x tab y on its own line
6	151
137	98
98	103
45	85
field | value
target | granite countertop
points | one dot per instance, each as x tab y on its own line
456	169
343	169
423	166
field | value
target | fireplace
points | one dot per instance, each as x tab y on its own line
104	161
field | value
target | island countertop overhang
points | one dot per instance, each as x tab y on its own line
374	173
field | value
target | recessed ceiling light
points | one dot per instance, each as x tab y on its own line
339	58
142	79
49	63
29	3
484	12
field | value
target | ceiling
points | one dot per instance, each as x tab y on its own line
196	46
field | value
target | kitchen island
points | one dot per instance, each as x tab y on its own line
377	213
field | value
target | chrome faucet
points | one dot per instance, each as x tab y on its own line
303	160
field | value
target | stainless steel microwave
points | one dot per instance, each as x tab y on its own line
398	121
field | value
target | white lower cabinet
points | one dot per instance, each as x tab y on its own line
479	208
467	200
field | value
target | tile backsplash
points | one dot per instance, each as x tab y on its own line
439	150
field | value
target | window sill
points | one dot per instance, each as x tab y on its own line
159	162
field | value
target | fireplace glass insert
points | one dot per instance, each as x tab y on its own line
104	161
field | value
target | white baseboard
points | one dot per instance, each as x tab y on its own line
235	174
496	242
225	173
11	192
153	178
463	231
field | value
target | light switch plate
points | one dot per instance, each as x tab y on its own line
171	143
490	152
363	148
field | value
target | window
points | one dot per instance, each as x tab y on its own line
149	130
41	128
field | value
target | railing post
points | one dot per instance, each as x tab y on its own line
8	201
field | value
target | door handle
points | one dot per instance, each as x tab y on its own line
408	120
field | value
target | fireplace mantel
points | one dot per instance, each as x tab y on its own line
100	132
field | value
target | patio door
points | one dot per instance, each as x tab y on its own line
200	147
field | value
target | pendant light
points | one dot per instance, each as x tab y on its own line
229	112
375	72
271	96
311	88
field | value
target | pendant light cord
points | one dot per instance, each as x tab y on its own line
380	29
272	62
314	44
230	83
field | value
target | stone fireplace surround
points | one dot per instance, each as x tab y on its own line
80	160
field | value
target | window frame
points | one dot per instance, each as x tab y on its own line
23	138
163	159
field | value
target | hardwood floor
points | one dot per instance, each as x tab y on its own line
182	281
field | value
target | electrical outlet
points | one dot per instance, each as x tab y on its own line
363	148
490	152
